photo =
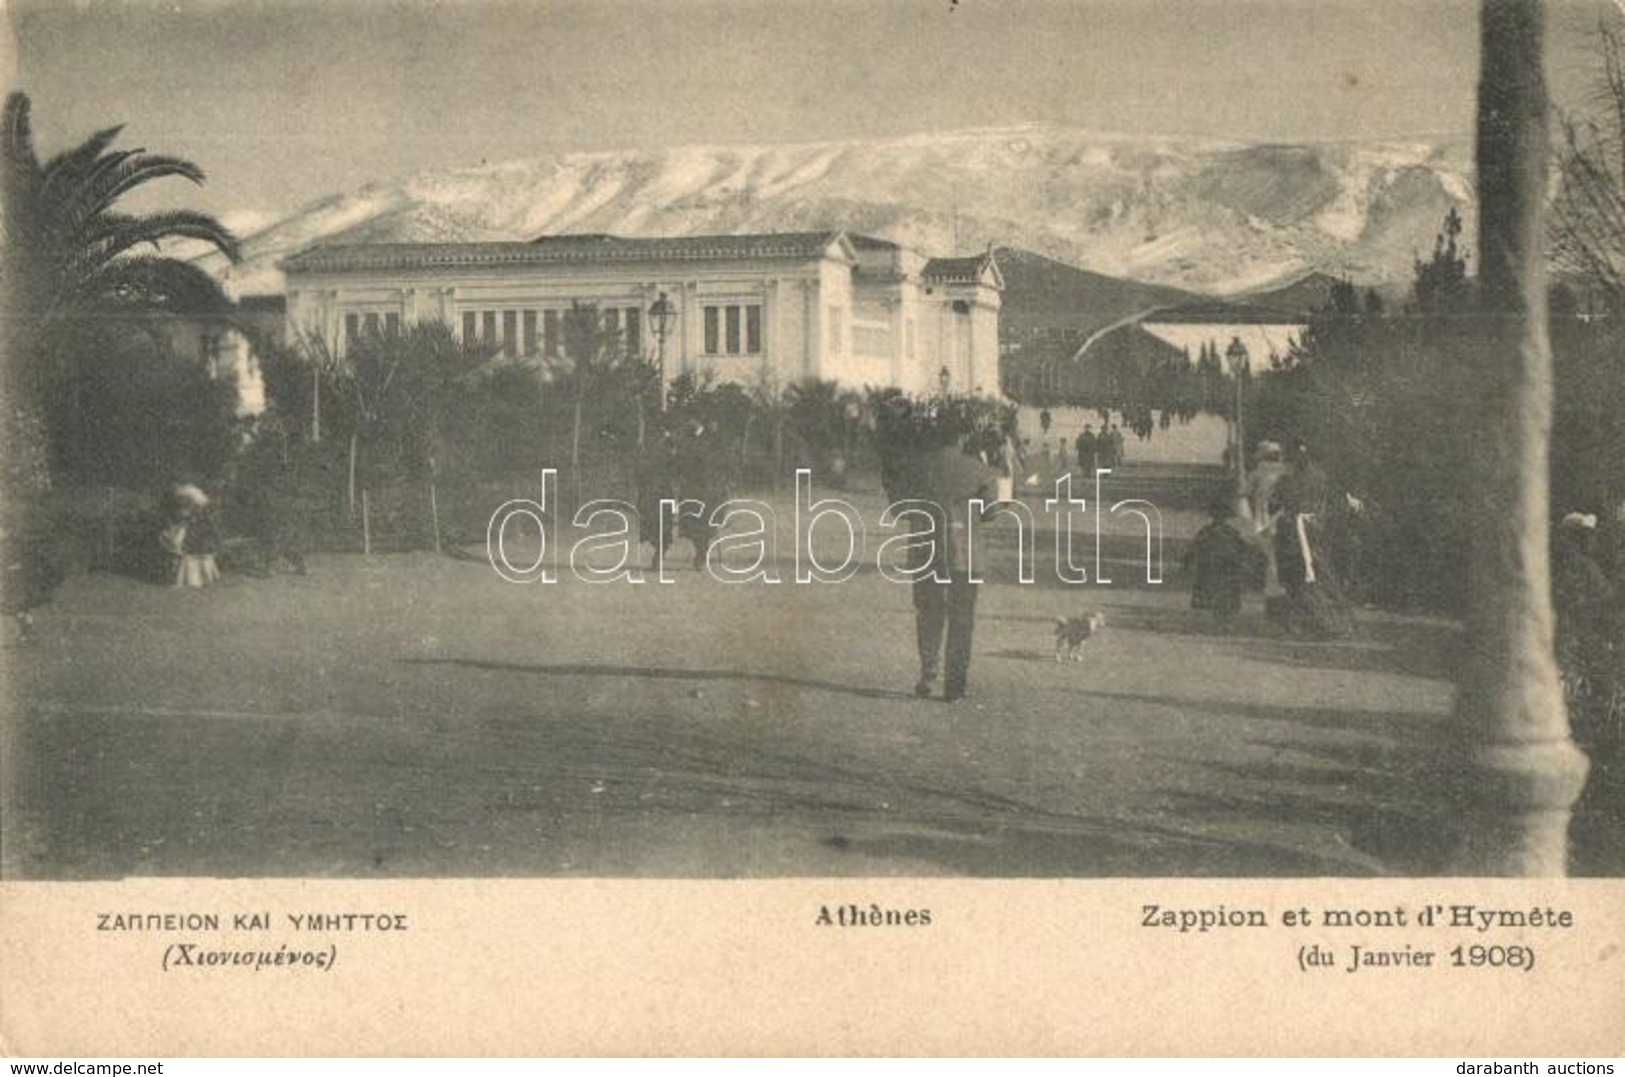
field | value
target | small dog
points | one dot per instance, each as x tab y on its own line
1071	633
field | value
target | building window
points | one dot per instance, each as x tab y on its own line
488	327
634	331
392	324
612	322
733	329
471	327
510	333
352	328
372	325
530	332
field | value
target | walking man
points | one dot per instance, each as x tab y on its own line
945	600
1088	450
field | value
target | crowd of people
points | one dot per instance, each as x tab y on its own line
1102	450
1090	451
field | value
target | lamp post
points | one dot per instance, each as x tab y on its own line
1236	357
661	317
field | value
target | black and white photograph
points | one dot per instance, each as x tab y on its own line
715	440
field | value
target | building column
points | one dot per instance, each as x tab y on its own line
812	322
894	320
971	381
332	322
1515	770
773	289
690	322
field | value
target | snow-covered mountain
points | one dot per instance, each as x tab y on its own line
1205	214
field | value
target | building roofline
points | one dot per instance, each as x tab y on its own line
967	270
554	250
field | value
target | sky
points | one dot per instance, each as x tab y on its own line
286	101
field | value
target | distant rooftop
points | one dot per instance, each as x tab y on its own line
1219	313
595	247
960	270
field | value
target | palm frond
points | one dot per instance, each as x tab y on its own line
107	187
65	210
19	133
113	234
67	170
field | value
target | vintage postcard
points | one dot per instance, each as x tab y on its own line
1064	527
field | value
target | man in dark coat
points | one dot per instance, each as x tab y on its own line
945	599
702	464
1088	450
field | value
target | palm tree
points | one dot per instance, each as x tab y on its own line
68	264
70	257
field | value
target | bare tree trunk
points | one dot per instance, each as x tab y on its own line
434	514
1518	771
575	449
353	438
778	451
109	555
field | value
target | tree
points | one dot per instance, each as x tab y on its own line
69	270
1587	218
613	394
70	257
823	417
397	383
1520	771
1441	281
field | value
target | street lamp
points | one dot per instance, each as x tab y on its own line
661	317
1236	357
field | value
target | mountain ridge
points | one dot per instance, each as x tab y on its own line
1211	215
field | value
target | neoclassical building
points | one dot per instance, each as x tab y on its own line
783	307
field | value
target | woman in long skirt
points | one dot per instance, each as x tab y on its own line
198	540
1315	603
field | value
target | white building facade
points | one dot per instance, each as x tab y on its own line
776	308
